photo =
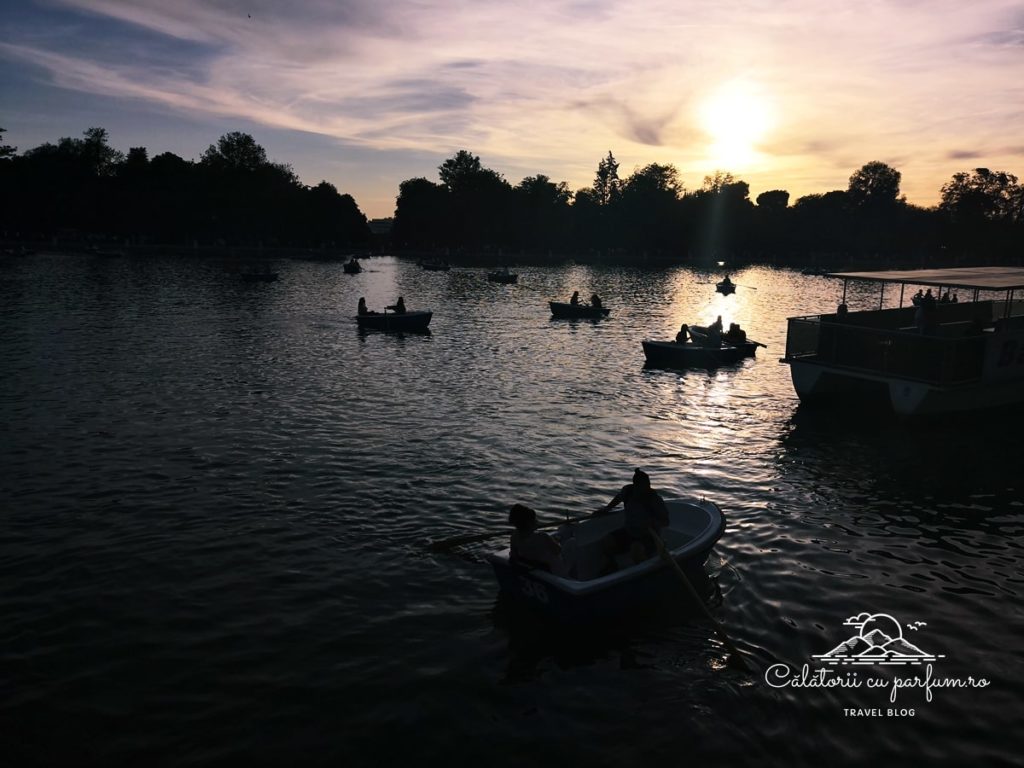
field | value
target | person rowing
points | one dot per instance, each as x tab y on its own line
645	511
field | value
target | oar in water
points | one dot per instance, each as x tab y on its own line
671	561
471	538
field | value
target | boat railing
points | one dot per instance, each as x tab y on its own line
950	354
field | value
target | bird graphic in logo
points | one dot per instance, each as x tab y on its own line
879	640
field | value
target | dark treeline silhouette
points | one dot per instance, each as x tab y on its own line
473	210
233	195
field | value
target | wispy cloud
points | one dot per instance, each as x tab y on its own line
556	84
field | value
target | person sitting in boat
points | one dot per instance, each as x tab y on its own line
717	325
645	511
683	335
362	306
726	281
595	301
530	547
736	335
575	300
398	307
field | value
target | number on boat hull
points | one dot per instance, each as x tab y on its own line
533	589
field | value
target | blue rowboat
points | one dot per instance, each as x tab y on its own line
587	596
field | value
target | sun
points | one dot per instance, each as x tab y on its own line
736	117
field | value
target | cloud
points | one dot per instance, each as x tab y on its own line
556	84
963	154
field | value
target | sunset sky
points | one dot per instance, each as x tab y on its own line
788	94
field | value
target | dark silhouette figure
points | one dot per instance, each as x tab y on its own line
531	547
595	301
398	307
717	325
575	300
645	511
683	335
842	310
362	306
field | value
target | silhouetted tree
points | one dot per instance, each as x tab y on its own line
649	211
481	202
542	213
875	184
607	184
981	194
6	150
422	212
774	201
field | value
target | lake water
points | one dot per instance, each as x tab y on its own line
217	498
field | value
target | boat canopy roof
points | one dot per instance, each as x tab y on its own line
980	278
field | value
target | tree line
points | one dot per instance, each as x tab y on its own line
650	212
235	195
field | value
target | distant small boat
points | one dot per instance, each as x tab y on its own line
565	310
435	266
259	277
352	267
390	321
725	287
503	277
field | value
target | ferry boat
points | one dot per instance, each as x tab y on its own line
920	358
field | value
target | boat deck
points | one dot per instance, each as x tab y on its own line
888	343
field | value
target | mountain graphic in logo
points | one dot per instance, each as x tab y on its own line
879	640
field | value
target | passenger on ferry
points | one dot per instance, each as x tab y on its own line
531	547
645	514
842	310
946	299
916	299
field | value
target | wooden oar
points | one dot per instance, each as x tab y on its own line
671	561
471	538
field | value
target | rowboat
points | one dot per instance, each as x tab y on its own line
587	596
672	354
565	310
503	277
352	267
411	322
725	288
